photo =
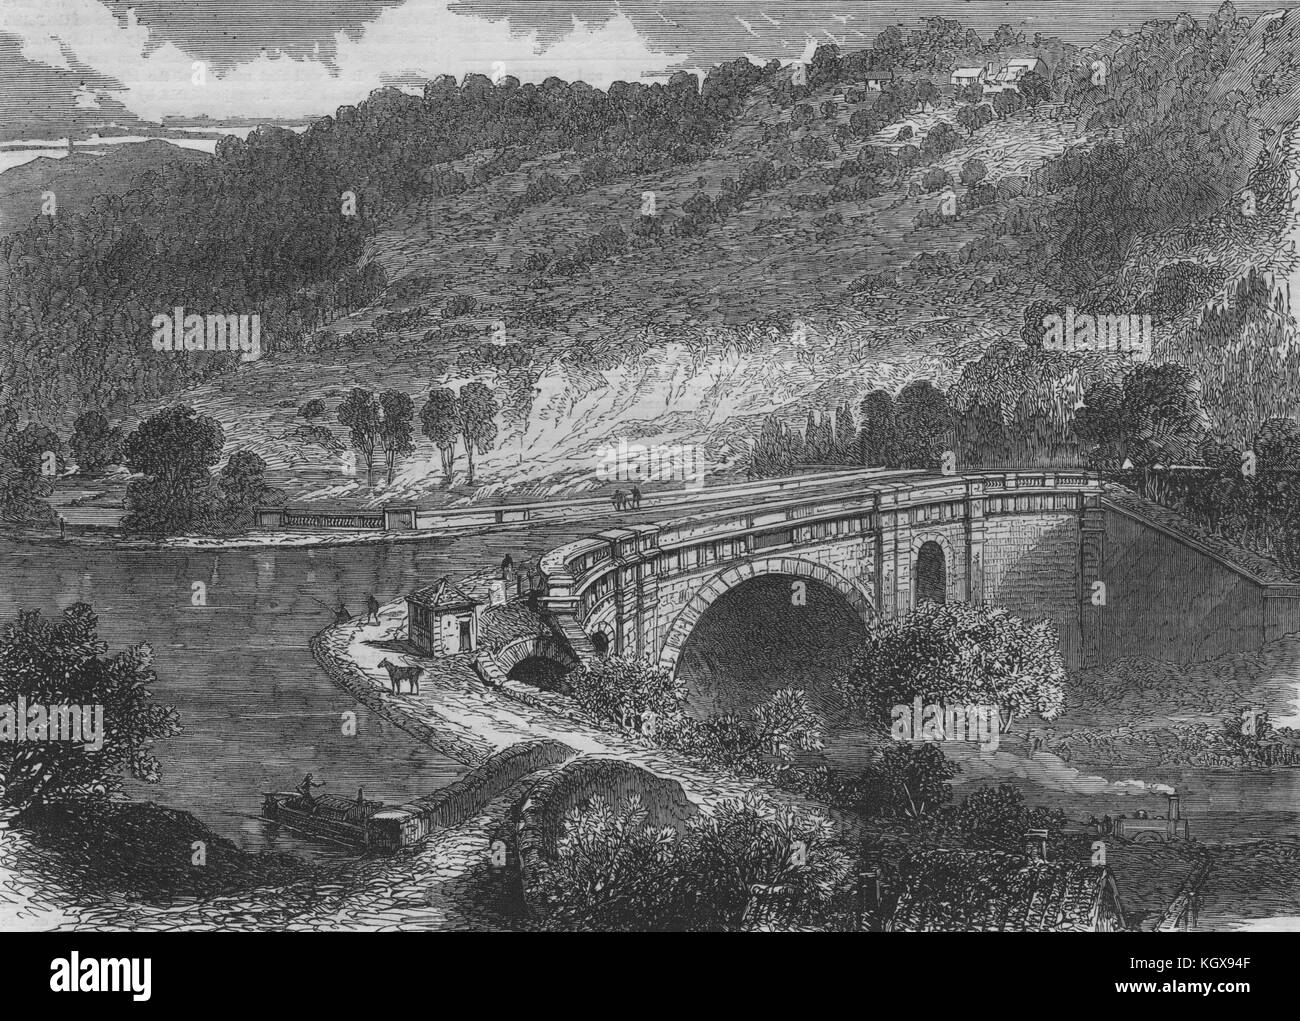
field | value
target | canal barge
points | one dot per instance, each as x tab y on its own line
355	823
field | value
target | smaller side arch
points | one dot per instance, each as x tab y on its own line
513	653
602	639
950	573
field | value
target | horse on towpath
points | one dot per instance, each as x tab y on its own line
398	674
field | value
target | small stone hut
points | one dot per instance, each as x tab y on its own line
441	620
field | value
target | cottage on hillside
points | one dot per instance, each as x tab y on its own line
963	76
1008	77
992	891
441	620
876	81
1021	66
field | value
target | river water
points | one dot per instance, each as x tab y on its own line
258	713
754	641
256	710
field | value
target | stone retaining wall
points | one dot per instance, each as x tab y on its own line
329	650
1172	597
453	804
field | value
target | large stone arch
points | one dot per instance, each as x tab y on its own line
729	577
950	571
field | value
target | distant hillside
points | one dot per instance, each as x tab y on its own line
801	299
675	263
78	178
797	251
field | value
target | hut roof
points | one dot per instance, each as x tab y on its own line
443	597
958	890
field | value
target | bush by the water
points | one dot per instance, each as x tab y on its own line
612	871
956	654
649	700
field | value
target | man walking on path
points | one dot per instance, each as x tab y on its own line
636	497
372	608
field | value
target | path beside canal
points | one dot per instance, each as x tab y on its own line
460	716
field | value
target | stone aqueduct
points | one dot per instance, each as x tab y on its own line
1029	541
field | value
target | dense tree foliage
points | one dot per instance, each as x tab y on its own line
276	225
61	661
172	454
95	445
30	460
956	654
611	870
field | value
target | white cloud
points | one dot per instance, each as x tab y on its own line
421	38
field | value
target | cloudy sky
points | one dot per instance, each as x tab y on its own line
292	58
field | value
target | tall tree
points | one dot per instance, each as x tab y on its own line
478	427
174	452
440	422
94	444
243	488
876	435
771	453
521	394
395	427
1034	89
1154	416
30	459
967	118
825	439
360	413
846	437
923	416
1006	103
